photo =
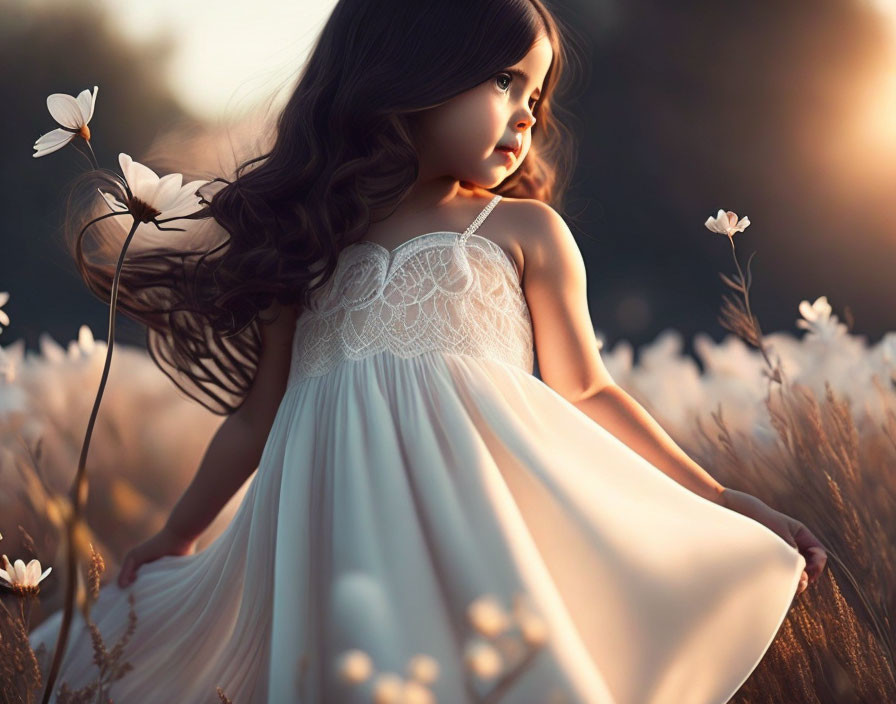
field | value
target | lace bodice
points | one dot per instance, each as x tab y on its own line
449	291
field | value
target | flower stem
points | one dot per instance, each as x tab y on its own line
22	611
753	321
93	156
79	486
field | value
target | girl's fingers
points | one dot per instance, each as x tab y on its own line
817	560
812	549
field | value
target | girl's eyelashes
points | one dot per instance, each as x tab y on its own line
509	78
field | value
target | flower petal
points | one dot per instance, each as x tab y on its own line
20	571
719	223
51	141
807	311
167	191
86	101
46	572
65	110
113	202
32	572
185	204
189	194
142	180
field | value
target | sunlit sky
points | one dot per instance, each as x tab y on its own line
229	53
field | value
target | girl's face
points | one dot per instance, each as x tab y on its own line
459	138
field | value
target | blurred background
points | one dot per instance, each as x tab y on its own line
783	112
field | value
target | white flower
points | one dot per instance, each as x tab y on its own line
387	688
354	666
21	577
487	615
153	197
482	658
423	668
73	114
817	319
726	223
85	344
4	318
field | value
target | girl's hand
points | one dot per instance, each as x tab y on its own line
161	544
792	530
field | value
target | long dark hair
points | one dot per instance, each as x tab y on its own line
341	148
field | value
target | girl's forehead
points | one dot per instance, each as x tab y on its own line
535	64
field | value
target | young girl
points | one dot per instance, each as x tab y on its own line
428	521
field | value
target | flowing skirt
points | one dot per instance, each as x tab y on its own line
449	529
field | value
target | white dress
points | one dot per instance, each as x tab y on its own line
416	467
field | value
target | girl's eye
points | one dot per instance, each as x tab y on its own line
509	78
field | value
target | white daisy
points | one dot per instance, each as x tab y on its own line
153	197
73	114
22	578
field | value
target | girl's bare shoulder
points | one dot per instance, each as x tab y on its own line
518	225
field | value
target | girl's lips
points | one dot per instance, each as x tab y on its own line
509	156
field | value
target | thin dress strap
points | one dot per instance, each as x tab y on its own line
479	218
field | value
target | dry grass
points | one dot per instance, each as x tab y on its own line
22	669
827	469
836	645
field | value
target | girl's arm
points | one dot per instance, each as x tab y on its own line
236	448
554	283
231	456
614	409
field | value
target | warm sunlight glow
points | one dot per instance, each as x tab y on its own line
228	54
887	8
879	115
852	141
